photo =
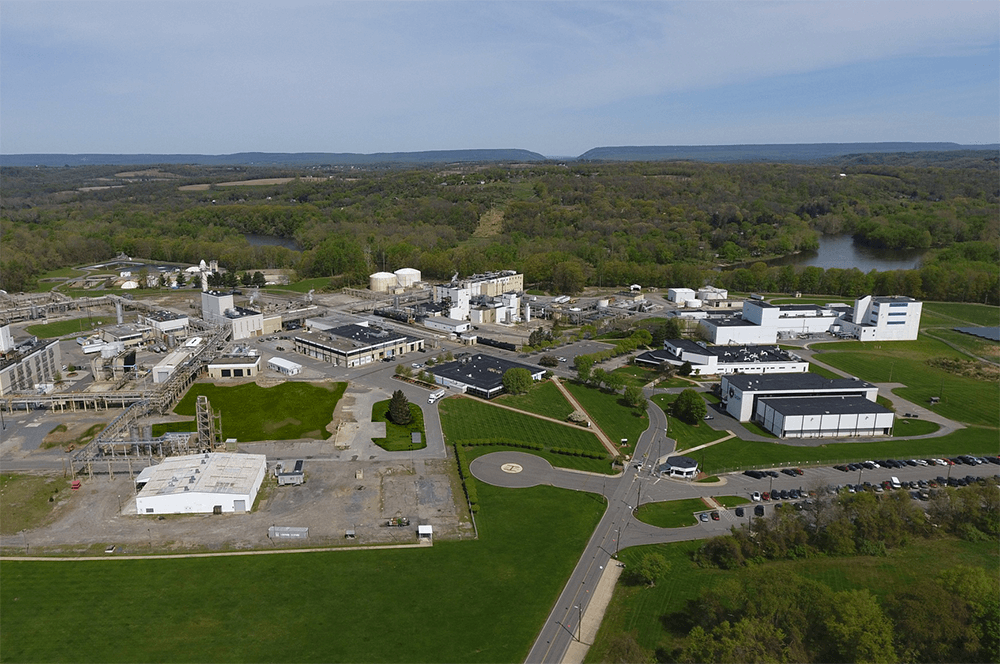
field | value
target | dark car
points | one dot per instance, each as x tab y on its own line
788	471
784	494
739	511
715	516
771	473
758	510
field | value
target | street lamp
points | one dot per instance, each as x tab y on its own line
579	622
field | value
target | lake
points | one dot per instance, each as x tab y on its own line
841	251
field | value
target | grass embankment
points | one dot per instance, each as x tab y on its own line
736	454
686	435
642	610
458	601
636	376
27	501
611	414
63	436
250	412
672	513
469	420
543	398
398	436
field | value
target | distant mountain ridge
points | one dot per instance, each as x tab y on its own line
273	158
777	152
790	152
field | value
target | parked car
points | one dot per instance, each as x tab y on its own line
758	510
715	516
755	496
739	512
703	517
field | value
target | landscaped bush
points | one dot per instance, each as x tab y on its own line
467	480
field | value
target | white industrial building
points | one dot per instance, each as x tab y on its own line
491	298
218	309
741	392
680	295
870	319
721	360
353	344
447	325
238	363
29	365
883	319
201	484
824	417
479	375
165	323
168	365
287	367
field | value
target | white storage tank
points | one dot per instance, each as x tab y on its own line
712	293
381	282
603	303
407	277
693	303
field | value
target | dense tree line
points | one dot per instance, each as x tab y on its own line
564	225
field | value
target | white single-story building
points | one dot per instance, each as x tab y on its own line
237	365
201	484
479	375
824	417
741	392
168	365
678	466
447	325
284	366
714	360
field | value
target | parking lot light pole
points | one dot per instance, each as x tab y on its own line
579	622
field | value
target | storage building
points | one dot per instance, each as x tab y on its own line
201	484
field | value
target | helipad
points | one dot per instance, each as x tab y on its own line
511	468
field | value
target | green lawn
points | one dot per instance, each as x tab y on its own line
636	376
822	371
458	601
736	454
544	398
962	314
468	419
686	435
906	426
305	285
962	398
672	513
644	611
610	413
397	437
731	501
283	412
63	327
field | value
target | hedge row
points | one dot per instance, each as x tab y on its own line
470	487
587	454
480	442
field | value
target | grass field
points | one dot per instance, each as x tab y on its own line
610	413
468	419
544	398
458	601
305	285
686	435
961	314
963	399
643	610
397	436
735	453
63	327
731	501
252	413
27	501
636	376
672	513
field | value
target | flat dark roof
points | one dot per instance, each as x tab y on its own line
682	462
481	371
796	381
790	406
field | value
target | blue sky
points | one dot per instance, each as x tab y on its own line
212	77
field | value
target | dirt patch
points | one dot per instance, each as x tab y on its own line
71	436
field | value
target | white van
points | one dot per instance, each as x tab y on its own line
894	482
435	396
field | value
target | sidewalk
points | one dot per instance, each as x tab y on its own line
594	614
603	437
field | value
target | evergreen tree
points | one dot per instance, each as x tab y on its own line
399	408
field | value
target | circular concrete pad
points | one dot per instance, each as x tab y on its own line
512	469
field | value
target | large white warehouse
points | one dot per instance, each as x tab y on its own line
201	484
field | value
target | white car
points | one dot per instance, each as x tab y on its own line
920	462
755	496
416	365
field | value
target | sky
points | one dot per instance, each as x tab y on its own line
558	78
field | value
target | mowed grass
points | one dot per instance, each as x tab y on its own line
397	436
63	327
963	399
686	435
458	601
645	611
972	314
610	413
283	412
636	376
468	419
671	513
737	454
543	398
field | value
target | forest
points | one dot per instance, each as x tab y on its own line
565	225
